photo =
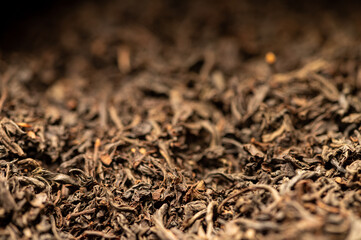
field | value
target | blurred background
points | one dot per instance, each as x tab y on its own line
83	37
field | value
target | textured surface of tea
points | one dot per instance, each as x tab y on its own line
182	120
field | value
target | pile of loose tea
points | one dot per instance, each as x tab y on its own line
182	120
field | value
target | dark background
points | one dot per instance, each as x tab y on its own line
16	17
21	21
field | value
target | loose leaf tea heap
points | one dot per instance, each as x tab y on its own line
182	120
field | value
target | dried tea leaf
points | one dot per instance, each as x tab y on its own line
352	118
259	95
106	159
39	200
253	150
285	127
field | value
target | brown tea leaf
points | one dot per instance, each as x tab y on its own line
106	159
